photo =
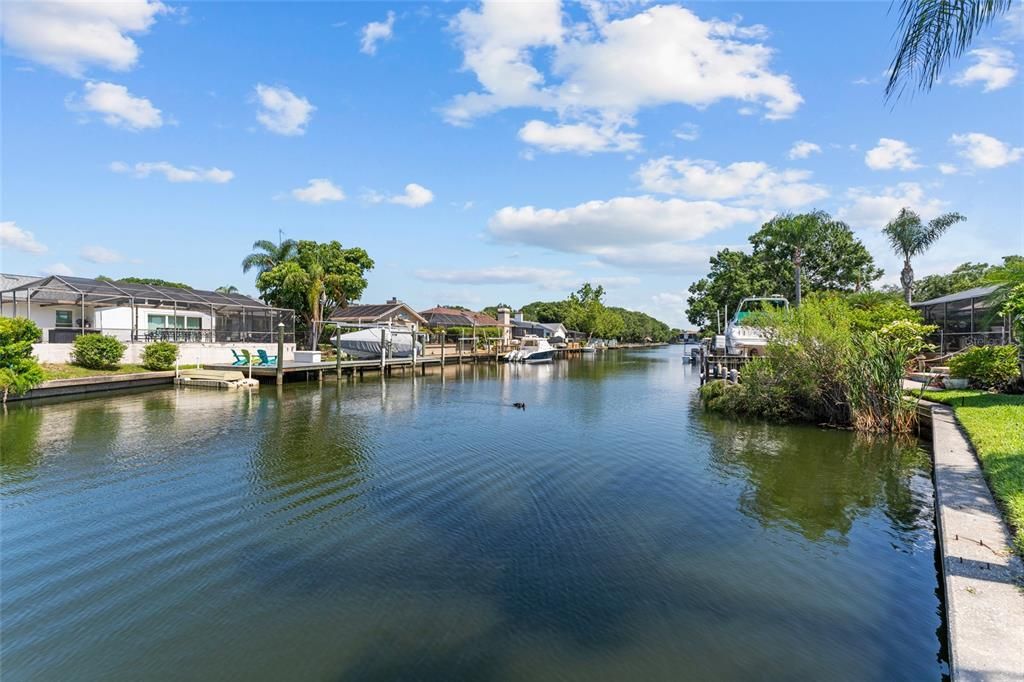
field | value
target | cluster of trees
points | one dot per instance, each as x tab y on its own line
811	249
152	281
310	277
584	311
964	276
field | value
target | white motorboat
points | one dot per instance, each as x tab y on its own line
741	337
365	344
532	349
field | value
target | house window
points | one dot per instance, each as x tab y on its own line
193	323
157	321
63	318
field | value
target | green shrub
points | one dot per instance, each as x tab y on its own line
159	355
96	351
986	366
909	333
19	371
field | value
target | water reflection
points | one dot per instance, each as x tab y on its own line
420	527
818	482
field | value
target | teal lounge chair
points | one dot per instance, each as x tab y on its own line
239	359
266	359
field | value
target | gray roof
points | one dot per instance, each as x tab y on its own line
8	281
976	292
59	288
372	313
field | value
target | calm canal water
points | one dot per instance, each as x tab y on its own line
422	528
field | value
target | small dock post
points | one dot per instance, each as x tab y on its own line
279	374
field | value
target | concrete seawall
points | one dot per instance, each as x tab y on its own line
983	578
110	382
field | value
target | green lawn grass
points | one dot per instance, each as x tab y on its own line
995	424
58	371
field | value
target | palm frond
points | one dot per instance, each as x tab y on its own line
934	32
936	228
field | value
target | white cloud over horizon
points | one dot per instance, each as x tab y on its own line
583	138
59	269
872	210
985	151
414	196
994	67
318	191
69	35
281	111
116	106
747	183
14	237
891	154
801	149
99	254
500	274
172	173
375	32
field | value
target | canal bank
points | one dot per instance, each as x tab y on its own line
983	579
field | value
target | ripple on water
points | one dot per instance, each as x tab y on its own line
420	528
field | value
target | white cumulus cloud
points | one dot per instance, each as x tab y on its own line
172	173
99	254
281	111
615	229
890	154
376	31
14	237
750	183
872	210
578	137
414	196
318	191
118	107
802	149
611	68
993	66
70	35
947	168
985	151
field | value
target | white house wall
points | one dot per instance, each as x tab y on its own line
188	353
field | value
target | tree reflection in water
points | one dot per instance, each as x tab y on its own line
816	481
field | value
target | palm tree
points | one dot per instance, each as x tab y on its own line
794	233
227	289
910	237
267	254
934	32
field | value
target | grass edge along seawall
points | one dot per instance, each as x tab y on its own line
994	424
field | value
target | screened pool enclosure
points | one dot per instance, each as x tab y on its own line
66	307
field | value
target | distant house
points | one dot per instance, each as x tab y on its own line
965	318
553	331
394	313
457	317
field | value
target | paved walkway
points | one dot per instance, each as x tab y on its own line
984	580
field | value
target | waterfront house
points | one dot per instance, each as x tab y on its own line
393	313
207	325
965	318
441	316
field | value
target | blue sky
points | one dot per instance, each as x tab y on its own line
487	152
